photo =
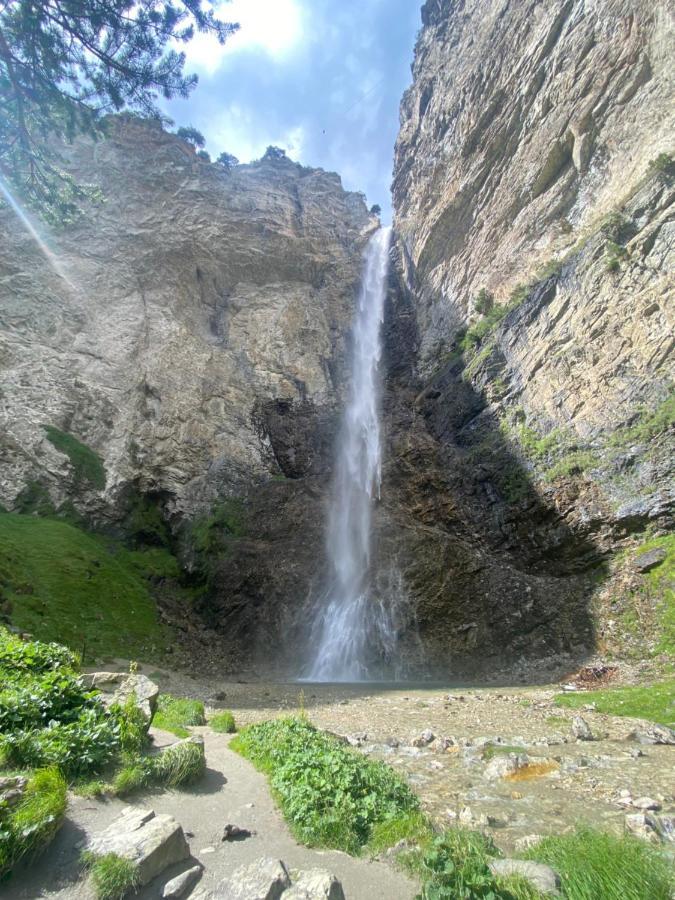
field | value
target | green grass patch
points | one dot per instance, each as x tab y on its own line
492	750
649	424
329	794
575	463
655	702
178	765
223	722
174	714
69	586
31	824
87	465
661	585
594	865
112	876
556	720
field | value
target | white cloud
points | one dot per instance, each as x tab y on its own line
237	131
274	27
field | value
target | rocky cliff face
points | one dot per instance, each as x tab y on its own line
178	327
533	193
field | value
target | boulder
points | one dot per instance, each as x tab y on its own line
151	842
117	687
423	739
645	562
181	884
12	788
265	879
653	734
540	876
503	766
315	884
581	729
643	826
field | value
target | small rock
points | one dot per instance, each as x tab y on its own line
646	804
542	877
265	879
443	745
642	826
581	729
12	789
206	850
502	766
235	833
468	817
220	696
636	753
527	842
315	884
654	734
423	739
181	883
645	562
358	739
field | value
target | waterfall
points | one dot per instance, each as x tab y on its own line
350	623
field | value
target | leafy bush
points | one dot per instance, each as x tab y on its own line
113	877
484	302
34	821
455	867
663	164
18	657
223	722
593	864
54	696
330	795
174	713
87	465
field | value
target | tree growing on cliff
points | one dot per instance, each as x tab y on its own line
65	64
228	160
273	152
191	135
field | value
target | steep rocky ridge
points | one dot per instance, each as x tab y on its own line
533	198
166	326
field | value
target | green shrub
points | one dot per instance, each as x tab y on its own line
18	657
575	463
134	775
330	795
593	865
663	164
35	820
648	424
455	867
223	722
179	764
175	713
484	302
113	877
87	465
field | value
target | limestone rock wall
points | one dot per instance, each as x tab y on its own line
159	328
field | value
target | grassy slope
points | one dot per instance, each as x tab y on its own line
655	702
69	586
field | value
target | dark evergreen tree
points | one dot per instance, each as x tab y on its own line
65	64
375	209
273	152
227	160
192	136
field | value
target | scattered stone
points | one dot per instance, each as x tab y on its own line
527	842
117	687
646	804
468	817
654	734
636	753
12	789
182	883
540	876
581	729
423	739
643	826
645	562
265	879
220	696
392	742
444	745
568	688
315	884
503	766
206	850
358	739
151	842
235	833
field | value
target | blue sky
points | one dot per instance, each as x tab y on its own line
321	78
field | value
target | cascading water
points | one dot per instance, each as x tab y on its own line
349	622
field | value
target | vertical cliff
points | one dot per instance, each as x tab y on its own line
533	194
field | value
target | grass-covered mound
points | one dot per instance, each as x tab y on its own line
32	823
66	585
330	795
655	702
223	722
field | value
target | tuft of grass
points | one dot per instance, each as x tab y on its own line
113	877
174	714
223	722
412	827
648	424
87	465
69	586
575	463
179	764
594	864
492	750
329	794
90	789
35	820
655	702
